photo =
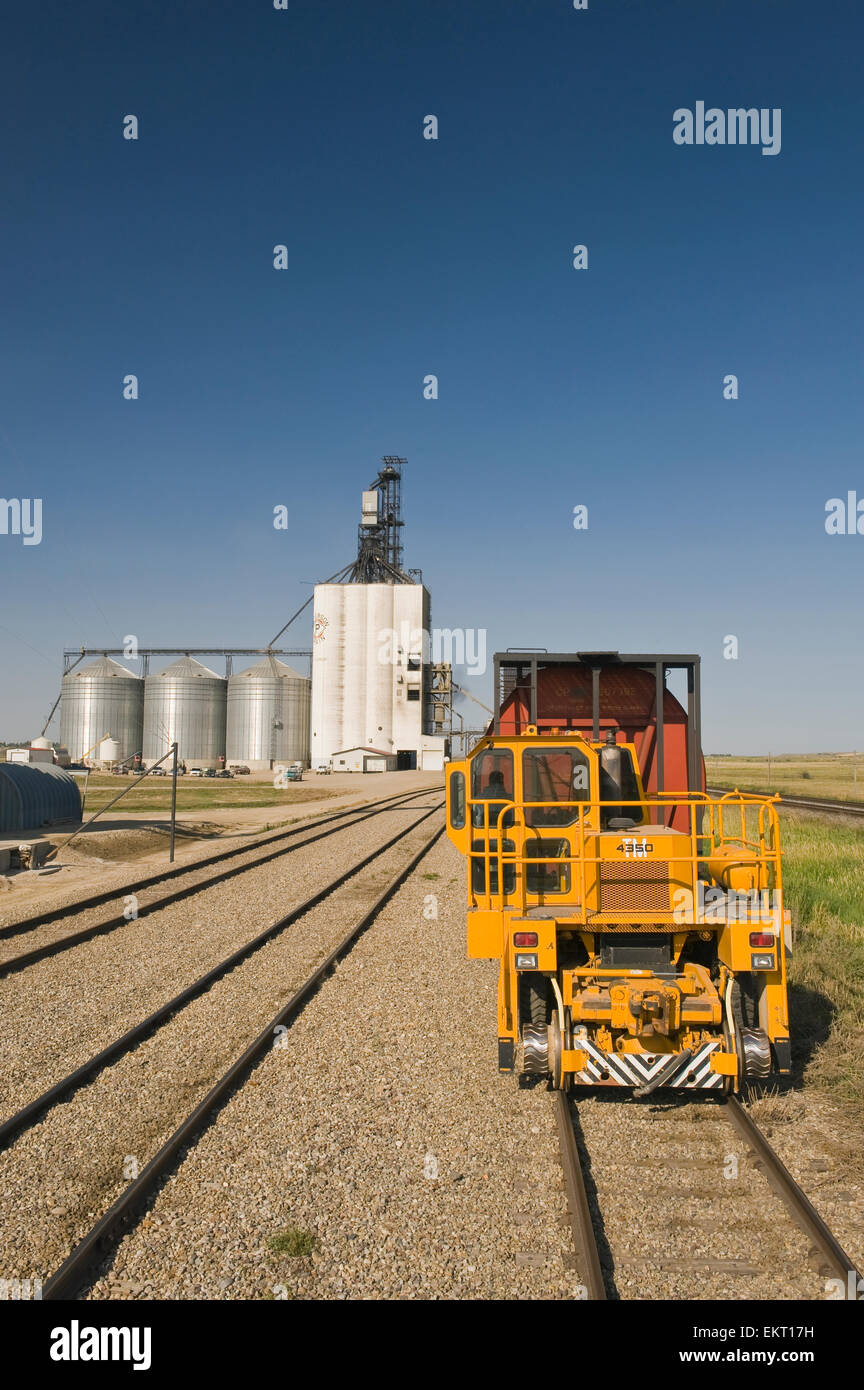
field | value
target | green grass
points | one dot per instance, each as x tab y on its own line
823	866
823	877
293	1241
193	794
831	776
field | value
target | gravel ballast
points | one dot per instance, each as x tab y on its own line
685	1215
381	1133
60	1011
59	1177
376	1152
146	896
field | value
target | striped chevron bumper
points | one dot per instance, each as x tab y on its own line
635	1068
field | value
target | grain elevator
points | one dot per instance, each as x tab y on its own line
371	680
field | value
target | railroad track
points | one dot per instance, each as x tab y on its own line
596	1256
29	1115
90	1252
194	883
831	808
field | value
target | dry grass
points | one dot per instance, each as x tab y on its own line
829	776
195	793
774	1107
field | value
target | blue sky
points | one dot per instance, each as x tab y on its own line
407	256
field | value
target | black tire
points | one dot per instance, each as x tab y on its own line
745	1000
745	1013
533	1000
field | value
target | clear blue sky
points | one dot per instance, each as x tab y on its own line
408	257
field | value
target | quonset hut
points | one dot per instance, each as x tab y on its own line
36	794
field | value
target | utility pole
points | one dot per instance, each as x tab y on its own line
769	772
173	802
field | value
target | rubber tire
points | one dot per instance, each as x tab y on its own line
533	1001
745	1006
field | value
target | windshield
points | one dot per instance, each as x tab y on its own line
554	774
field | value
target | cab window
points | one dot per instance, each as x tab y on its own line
479	881
456	788
555	774
492	781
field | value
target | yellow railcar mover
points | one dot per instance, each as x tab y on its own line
640	932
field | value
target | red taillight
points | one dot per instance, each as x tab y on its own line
761	938
525	938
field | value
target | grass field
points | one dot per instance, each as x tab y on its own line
831	776
823	875
194	794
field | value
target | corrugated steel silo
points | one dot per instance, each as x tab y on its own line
268	715
102	698
185	704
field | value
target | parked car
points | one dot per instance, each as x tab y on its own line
223	772
209	772
322	768
158	772
195	772
239	770
119	771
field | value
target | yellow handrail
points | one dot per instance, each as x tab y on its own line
762	852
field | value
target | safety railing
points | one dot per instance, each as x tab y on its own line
737	830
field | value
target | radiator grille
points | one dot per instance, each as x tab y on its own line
639	886
628	926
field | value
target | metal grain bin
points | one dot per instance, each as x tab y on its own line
268	715
185	703
36	794
102	699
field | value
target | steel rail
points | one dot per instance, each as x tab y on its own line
80	1266
834	1258
30	1114
581	1225
804	1214
65	943
831	808
54	914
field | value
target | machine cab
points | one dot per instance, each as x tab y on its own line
522	811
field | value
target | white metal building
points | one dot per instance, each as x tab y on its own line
368	674
40	751
431	756
363	760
